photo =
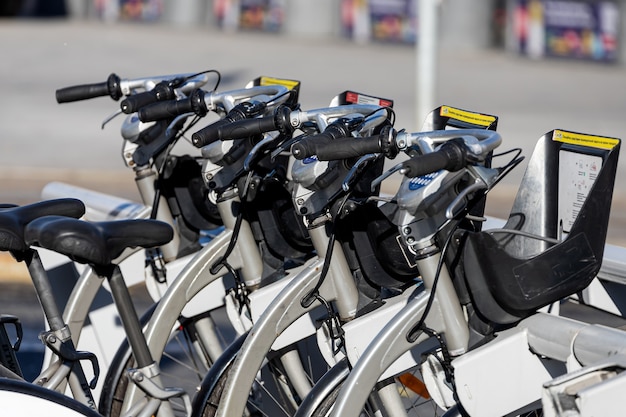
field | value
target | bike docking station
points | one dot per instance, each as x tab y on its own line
551	247
493	338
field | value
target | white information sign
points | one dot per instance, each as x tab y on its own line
577	173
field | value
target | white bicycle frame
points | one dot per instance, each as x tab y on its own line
566	366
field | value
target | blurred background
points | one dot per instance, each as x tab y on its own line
580	29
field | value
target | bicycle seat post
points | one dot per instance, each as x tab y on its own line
99	244
128	314
59	338
43	288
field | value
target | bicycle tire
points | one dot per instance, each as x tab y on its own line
25	398
271	394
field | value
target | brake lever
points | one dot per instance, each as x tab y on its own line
170	127
269	138
455	207
357	168
111	117
385	175
283	147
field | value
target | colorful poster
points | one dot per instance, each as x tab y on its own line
393	20
264	15
382	20
577	29
580	29
129	10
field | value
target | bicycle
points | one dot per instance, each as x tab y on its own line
260	265
461	373
139	139
87	285
54	225
147	147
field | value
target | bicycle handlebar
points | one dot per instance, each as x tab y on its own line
451	156
241	126
172	108
111	87
213	133
285	121
459	147
162	91
201	102
115	87
342	148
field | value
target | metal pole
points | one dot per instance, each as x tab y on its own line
426	56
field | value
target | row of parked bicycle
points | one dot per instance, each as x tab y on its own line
286	284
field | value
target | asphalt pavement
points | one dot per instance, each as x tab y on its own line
43	141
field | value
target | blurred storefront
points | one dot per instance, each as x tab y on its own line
380	20
575	29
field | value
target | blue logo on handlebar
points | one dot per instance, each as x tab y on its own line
309	160
419	182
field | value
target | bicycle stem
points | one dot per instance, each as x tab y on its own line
456	328
145	178
345	294
228	206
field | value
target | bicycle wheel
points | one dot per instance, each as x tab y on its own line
272	393
184	364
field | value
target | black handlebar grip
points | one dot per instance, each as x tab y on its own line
133	103
111	88
164	110
451	156
338	131
310	145
348	148
208	134
211	133
246	128
81	92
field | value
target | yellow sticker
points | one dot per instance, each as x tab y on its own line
601	142
290	84
467	116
